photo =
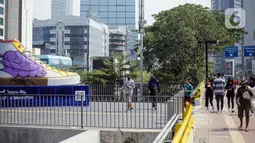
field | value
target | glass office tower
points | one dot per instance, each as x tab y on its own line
61	8
225	4
113	13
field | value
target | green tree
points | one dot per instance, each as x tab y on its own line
175	42
113	71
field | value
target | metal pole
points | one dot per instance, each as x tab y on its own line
242	46
141	31
82	102
206	61
243	66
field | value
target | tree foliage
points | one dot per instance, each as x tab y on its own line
174	44
114	72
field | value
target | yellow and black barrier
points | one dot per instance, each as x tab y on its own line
183	130
198	92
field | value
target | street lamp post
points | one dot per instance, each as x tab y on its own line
206	55
206	61
141	32
243	67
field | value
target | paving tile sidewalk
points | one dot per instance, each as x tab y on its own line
215	128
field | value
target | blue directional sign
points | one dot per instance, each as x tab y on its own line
249	51
231	51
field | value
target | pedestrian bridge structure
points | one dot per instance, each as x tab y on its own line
105	119
210	127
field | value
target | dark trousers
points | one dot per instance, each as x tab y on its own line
187	99
219	98
208	97
231	101
153	98
244	109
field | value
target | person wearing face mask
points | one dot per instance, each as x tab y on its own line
230	87
209	94
129	89
218	86
188	89
243	101
153	87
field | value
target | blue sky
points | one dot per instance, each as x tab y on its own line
42	8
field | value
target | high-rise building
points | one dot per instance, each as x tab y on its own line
119	39
2	19
249	39
18	21
113	13
225	4
61	8
77	37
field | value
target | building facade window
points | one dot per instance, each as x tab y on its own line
53	51
1	21
1	1
2	10
254	34
108	10
1	32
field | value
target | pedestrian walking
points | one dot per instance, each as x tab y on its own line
209	94
243	101
188	89
128	87
214	77
223	77
251	83
230	87
219	92
153	88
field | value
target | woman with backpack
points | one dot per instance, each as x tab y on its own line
243	101
230	87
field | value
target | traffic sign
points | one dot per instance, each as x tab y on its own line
231	51
249	51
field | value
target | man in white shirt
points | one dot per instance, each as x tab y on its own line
128	90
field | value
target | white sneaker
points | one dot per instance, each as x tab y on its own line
31	68
220	111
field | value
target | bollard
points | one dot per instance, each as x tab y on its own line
170	109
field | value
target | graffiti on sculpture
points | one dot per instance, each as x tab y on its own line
19	65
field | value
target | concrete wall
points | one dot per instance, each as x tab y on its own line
35	135
138	136
21	134
90	136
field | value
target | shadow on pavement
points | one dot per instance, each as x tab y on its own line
230	129
213	112
233	114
